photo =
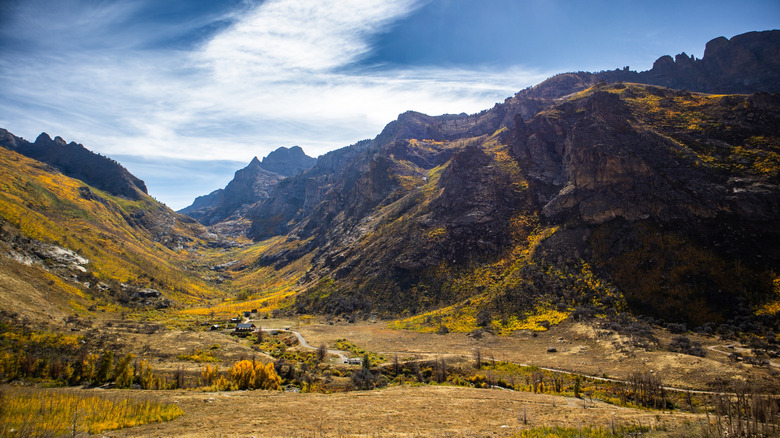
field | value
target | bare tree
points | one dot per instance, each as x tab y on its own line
259	335
322	353
441	370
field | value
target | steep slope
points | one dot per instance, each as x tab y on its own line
500	223
83	248
75	161
249	186
676	195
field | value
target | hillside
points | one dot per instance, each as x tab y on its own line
561	211
76	161
70	247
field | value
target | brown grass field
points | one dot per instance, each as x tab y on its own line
401	411
430	410
580	348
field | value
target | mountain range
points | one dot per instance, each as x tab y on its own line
655	193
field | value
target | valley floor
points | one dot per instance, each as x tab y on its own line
400	411
580	348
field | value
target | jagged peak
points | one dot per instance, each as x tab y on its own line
43	137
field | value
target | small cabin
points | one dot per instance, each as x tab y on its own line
215	327
242	328
247	314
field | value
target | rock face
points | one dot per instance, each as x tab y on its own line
287	161
598	158
746	63
249	186
76	161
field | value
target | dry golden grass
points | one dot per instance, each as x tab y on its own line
35	412
401	411
580	348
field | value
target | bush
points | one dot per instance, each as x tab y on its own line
684	345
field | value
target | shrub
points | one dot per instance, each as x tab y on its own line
684	345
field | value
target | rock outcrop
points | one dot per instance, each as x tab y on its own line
746	63
598	158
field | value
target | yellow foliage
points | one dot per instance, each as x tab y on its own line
773	306
199	356
50	207
458	318
209	375
538	321
50	413
247	374
436	233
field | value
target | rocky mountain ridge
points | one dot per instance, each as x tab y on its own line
249	186
400	223
76	161
744	64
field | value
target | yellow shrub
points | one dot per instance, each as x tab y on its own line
248	375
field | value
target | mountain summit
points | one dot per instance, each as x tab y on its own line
249	186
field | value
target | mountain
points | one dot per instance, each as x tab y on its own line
67	246
287	161
588	194
249	185
583	192
76	161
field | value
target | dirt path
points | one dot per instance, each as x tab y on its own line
343	355
740	350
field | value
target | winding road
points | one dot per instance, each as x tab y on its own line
344	355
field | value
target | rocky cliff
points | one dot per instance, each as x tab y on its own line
746	63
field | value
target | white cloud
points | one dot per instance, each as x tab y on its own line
282	74
282	36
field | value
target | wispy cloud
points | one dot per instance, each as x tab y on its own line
284	72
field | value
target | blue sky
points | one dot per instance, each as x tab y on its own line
183	93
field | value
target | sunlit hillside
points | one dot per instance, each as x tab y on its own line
128	245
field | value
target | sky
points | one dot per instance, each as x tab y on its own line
183	93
